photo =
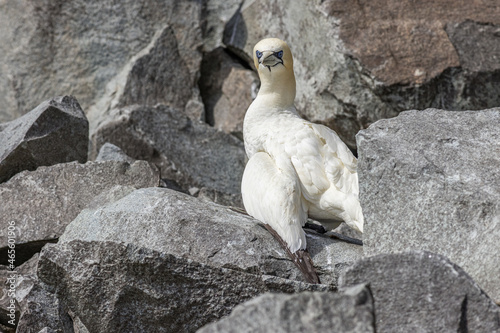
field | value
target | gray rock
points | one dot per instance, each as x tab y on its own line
18	282
114	287
226	88
54	132
430	180
110	152
43	202
192	153
177	224
349	311
357	77
423	292
92	55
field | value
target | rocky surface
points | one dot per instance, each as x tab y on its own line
20	283
349	311
382	57
191	153
227	89
423	292
430	180
88	50
169	83
110	152
56	131
162	251
42	203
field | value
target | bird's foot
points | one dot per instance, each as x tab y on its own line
344	238
316	227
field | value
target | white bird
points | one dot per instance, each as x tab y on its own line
296	168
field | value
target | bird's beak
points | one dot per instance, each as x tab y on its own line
269	59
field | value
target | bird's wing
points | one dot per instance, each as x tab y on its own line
321	159
273	196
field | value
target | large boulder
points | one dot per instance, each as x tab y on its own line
42	203
88	50
430	180
56	131
180	225
349	76
349	311
423	292
188	261
190	152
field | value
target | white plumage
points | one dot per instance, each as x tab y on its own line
296	168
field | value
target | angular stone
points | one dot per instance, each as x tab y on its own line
56	131
113	287
226	89
348	311
20	283
43	202
420	291
430	180
110	152
189	152
92	55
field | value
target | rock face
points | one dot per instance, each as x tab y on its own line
227	89
54	132
190	152
43	202
157	250
357	77
88	50
22	280
430	180
423	292
349	311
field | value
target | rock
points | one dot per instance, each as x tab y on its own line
92	56
226	89
155	251
18	282
214	235
54	132
189	152
423	292
349	311
357	77
43	202
110	152
215	15
430	180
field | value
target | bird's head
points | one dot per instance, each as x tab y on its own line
273	59
272	55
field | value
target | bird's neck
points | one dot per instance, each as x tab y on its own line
277	89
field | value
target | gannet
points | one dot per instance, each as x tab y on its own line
296	168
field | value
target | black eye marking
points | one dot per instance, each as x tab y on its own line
258	54
279	54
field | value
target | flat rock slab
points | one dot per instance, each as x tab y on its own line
348	312
430	180
421	291
42	203
54	132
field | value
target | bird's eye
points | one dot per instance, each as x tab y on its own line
279	54
258	54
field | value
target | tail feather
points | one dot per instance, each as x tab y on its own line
300	258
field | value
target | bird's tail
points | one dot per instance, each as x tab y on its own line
300	258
